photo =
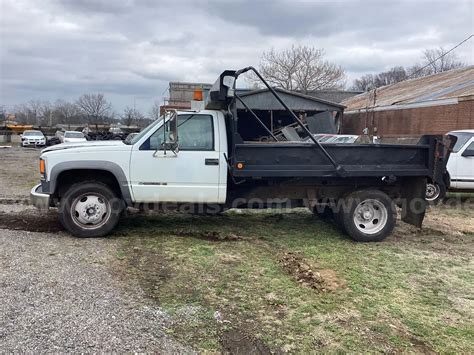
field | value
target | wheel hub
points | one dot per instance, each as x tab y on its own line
90	210
432	192
367	214
370	216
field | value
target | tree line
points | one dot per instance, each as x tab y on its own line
429	65
91	109
305	69
299	68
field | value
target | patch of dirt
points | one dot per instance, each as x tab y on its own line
235	342
47	222
322	280
14	201
213	236
148	268
444	231
418	346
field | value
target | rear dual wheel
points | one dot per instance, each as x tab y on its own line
435	193
366	215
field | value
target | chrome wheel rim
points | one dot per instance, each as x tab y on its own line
90	210
432	192
370	216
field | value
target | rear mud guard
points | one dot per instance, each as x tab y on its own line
413	201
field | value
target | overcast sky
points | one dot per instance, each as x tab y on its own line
130	49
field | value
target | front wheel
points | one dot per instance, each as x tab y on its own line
368	215
90	209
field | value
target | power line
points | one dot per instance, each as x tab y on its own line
441	56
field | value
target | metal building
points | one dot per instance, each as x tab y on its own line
264	104
434	104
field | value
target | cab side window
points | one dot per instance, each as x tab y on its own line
470	149
195	132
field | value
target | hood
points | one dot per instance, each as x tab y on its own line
89	144
33	137
75	140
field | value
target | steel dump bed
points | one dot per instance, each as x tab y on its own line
357	160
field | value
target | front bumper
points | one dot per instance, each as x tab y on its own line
33	144
38	198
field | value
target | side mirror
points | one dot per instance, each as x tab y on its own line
170	135
173	146
468	153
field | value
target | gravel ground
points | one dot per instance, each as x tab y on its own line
18	172
59	295
62	294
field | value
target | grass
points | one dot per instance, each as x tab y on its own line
412	292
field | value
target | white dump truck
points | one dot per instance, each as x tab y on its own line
197	158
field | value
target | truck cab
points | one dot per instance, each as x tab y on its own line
461	161
459	176
195	174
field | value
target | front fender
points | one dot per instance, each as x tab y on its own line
113	168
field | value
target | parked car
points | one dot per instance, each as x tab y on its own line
73	137
130	137
33	138
460	168
341	138
333	138
320	137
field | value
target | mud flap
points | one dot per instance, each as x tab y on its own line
413	201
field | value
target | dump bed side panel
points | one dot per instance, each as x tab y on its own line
285	160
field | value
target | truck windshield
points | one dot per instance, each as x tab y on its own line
73	135
144	132
463	137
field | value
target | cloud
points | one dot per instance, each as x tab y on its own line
133	48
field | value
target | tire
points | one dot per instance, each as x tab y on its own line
368	215
90	209
435	193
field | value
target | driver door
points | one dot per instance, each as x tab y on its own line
190	175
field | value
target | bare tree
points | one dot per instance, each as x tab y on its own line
371	81
46	112
131	116
155	112
21	114
33	110
3	112
392	76
364	83
95	107
65	111
436	60
300	68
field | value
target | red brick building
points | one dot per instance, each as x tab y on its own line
435	104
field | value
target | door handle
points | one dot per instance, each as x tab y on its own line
210	161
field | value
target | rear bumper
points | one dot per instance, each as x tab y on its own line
38	198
